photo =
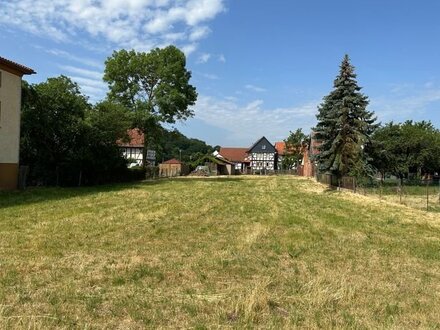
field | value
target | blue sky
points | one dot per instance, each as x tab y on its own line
260	67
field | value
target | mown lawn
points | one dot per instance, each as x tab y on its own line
266	252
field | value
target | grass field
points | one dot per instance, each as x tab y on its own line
265	252
419	197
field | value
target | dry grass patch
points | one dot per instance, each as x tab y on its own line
243	252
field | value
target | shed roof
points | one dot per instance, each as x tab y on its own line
14	67
172	161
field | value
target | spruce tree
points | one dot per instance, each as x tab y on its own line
344	126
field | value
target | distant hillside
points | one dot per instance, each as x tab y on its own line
173	144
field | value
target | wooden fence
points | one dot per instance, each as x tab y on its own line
346	182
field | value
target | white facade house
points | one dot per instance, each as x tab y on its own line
10	109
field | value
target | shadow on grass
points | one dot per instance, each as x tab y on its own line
33	195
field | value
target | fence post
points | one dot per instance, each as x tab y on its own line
427	195
400	191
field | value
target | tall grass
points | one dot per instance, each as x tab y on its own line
266	252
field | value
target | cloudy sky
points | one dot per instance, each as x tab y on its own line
261	67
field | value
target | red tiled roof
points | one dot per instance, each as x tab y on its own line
16	67
281	147
136	139
172	161
235	154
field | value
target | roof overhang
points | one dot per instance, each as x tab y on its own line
15	68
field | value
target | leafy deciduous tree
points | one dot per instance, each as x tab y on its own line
154	86
61	132
296	143
404	149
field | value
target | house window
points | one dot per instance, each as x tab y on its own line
263	147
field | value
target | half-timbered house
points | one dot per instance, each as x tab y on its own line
262	156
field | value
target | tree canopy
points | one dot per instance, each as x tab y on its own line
65	140
344	125
296	143
405	149
154	86
173	144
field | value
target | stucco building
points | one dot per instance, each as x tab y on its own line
10	108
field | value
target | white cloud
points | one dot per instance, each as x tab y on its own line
89	81
248	122
208	75
222	58
69	56
141	24
255	88
405	101
97	75
189	49
199	32
203	58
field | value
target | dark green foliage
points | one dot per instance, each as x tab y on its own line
154	86
173	144
52	125
66	141
295	145
405	149
344	126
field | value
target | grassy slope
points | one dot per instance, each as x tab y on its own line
263	251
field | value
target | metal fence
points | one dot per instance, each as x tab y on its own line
415	193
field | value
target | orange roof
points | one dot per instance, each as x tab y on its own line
235	154
136	139
280	147
14	67
172	161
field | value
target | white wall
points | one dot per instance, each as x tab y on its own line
262	161
10	98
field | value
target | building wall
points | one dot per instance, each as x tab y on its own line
308	167
10	105
132	153
170	170
263	161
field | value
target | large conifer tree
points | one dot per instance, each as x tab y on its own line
344	125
